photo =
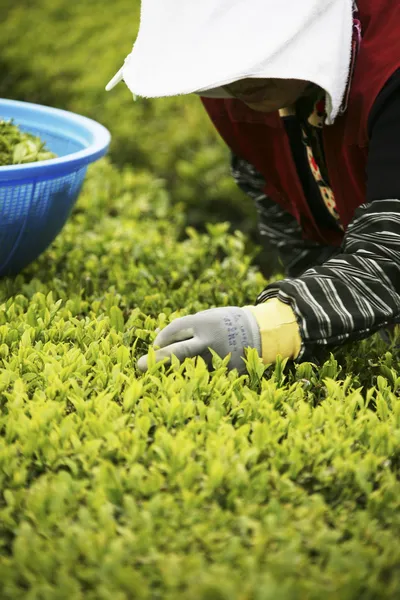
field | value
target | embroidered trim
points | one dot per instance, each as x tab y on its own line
316	120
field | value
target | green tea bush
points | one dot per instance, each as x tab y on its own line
179	483
62	53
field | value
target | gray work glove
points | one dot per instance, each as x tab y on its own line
225	330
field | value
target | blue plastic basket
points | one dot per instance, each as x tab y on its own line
36	199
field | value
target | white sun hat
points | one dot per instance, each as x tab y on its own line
199	46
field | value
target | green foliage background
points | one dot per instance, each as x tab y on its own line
63	53
280	485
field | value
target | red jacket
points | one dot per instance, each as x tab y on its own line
261	139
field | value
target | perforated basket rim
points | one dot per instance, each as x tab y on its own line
58	166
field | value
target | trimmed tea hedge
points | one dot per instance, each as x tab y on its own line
179	483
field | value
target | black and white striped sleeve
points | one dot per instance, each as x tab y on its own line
278	227
357	292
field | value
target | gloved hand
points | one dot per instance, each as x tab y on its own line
225	330
271	328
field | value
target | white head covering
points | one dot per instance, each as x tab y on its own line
197	46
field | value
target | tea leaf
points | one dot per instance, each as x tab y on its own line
18	147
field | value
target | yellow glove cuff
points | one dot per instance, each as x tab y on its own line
280	332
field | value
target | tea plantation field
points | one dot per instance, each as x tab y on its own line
177	484
180	483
